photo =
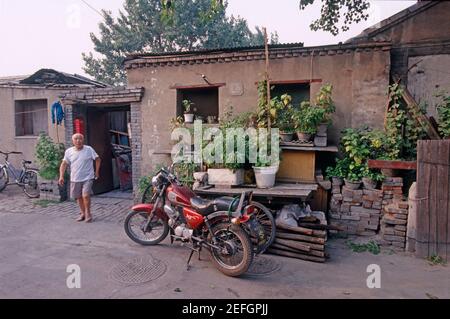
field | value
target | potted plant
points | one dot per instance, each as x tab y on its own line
371	178
353	181
266	171
188	115
49	156
338	172
306	120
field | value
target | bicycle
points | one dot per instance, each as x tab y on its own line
27	177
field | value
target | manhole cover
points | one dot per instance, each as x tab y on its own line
262	266
139	270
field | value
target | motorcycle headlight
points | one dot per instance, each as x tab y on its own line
155	181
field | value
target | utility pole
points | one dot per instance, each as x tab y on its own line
267	77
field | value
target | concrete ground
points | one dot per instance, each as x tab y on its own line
37	244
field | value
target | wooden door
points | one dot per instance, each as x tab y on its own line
98	137
433	192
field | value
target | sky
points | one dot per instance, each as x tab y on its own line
53	34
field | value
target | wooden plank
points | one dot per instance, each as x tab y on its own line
293	147
293	244
443	198
320	247
280	252
310	239
433	205
302	230
382	164
302	194
310	253
422	219
422	119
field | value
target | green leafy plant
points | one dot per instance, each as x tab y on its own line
443	109
403	129
358	146
49	156
436	260
187	106
307	118
339	170
325	101
371	247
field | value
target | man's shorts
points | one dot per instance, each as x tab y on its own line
81	189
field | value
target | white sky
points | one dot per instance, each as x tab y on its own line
39	34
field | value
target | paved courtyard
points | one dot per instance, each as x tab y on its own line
37	244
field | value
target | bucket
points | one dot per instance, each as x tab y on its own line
265	176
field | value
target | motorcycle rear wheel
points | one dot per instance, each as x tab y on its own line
134	228
236	253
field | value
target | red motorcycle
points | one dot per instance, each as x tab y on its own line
219	225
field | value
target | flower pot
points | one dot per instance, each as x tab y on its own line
369	183
337	181
304	137
322	129
265	176
225	177
353	185
189	118
286	137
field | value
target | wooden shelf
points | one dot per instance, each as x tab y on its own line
293	147
301	191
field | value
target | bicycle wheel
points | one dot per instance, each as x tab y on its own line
4	179
265	228
30	184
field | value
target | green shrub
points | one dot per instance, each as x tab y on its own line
49	156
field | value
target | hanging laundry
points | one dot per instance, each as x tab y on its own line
57	113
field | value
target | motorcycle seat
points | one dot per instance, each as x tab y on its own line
206	207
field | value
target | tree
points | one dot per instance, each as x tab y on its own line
150	26
353	11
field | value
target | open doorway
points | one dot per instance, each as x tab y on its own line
107	130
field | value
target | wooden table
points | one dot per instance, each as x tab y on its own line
301	191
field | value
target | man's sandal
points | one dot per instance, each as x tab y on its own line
80	219
89	220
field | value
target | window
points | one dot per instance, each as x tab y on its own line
206	101
298	91
31	117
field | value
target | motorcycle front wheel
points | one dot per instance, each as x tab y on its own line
234	254
135	228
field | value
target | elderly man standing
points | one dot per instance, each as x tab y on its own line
80	157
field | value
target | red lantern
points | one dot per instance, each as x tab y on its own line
78	126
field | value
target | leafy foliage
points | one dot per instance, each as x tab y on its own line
49	156
157	27
443	109
402	128
308	117
371	247
338	12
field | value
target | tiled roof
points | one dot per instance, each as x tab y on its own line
49	78
245	54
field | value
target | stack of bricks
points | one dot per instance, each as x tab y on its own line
395	214
369	212
392	190
393	224
356	212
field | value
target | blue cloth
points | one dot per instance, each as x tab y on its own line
57	113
